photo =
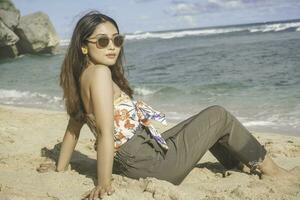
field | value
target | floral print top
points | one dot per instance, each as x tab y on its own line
129	114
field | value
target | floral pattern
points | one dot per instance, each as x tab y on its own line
129	114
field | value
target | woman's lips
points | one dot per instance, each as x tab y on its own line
111	55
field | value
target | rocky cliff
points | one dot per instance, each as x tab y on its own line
33	33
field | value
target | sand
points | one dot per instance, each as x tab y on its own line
29	137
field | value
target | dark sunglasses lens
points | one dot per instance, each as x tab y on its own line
103	41
119	40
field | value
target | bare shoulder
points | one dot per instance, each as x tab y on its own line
95	71
102	68
100	71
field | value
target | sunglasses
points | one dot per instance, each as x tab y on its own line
103	40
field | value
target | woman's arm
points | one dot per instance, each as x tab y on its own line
68	145
101	91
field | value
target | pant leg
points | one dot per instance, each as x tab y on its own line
224	155
213	129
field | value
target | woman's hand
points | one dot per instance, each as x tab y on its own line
50	166
100	191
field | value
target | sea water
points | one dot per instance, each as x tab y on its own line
252	70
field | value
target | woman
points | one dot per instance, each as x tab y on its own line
97	93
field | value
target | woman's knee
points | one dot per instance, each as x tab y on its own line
216	109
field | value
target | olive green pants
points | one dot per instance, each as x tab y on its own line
214	129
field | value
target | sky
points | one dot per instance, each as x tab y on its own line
157	15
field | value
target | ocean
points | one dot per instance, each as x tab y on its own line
252	70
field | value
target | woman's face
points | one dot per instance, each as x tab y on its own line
99	56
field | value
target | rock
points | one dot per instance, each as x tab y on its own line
37	34
9	19
33	33
8	40
9	15
9	52
7	37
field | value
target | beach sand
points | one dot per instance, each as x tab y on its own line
29	137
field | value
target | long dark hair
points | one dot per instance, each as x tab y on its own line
75	62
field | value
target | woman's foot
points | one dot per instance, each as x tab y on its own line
270	169
295	171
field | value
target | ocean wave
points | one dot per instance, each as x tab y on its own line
159	90
64	42
259	123
275	27
25	97
143	91
211	31
178	34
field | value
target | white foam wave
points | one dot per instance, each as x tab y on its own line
64	42
139	35
14	96
202	32
258	123
143	91
11	94
168	35
275	27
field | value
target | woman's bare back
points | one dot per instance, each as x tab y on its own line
85	81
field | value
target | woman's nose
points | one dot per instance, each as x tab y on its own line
111	44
